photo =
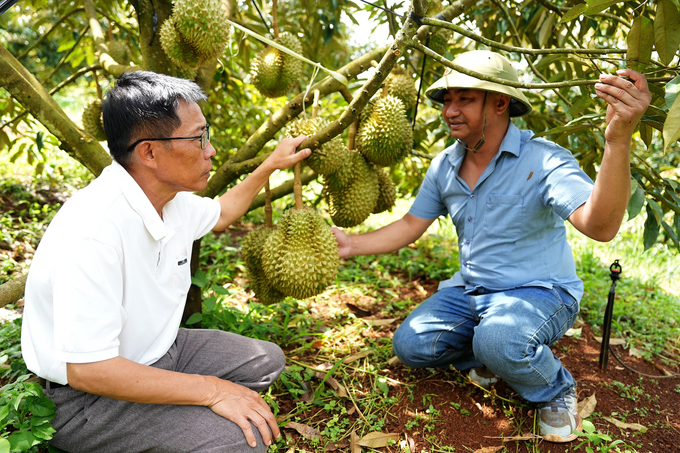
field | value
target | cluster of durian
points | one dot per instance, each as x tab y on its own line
195	33
92	120
274	72
298	258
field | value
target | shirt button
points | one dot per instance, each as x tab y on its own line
469	219
472	196
465	264
467	242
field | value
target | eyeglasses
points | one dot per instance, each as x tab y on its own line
204	138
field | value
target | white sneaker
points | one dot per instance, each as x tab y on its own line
483	377
558	419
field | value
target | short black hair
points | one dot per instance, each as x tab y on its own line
143	104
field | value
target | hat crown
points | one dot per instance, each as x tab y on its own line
488	63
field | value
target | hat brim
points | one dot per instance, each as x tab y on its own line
519	105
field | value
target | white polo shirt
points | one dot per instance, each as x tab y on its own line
110	277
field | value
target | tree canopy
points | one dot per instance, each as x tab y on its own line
559	48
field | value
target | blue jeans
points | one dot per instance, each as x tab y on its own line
509	331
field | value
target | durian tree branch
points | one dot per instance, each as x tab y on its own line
24	87
539	86
284	189
47	33
64	83
448	13
12	290
81	35
523	50
225	175
105	60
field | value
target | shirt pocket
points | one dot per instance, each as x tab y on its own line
504	216
182	275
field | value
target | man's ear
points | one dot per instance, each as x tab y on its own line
502	103
145	154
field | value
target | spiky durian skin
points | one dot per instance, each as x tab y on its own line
354	166
387	192
330	156
385	137
92	120
273	72
180	52
251	251
401	85
352	203
300	258
439	41
119	51
203	25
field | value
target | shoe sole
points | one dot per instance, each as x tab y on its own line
557	439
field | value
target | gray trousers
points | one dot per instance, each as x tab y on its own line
90	423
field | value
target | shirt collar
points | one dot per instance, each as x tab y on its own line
510	144
139	202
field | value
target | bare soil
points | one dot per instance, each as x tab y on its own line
470	419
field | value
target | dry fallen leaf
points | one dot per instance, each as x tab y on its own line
305	430
634	352
354	443
587	406
357	356
394	361
574	332
378	440
334	384
379	322
337	445
489	449
620	424
612	341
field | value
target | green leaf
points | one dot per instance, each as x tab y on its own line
209	303
671	234
597	6
546	30
651	229
574	12
4	445
581	104
4	412
193	319
43	407
666	30
671	91
658	212
564	129
44	431
671	128
21	440
646	134
640	43
637	200
200	279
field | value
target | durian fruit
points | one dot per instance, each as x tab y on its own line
353	200
387	192
274	72
251	251
92	120
330	156
439	40
203	25
180	51
385	137
300	258
400	84
119	51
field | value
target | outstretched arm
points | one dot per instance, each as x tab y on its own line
387	239
236	201
601	216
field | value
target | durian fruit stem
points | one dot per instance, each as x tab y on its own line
353	128
96	83
315	106
297	187
268	221
275	21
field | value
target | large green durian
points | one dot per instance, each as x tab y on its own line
385	137
353	200
180	51
251	251
300	258
119	51
387	192
274	72
330	156
92	120
400	84
203	25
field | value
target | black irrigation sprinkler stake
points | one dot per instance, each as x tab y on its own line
615	274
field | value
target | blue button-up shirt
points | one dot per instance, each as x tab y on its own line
510	228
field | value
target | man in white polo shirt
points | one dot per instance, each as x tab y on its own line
107	286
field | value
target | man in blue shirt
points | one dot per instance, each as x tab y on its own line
517	291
